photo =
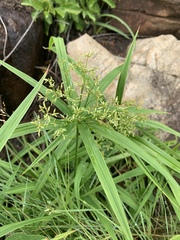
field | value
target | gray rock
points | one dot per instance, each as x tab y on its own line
101	59
154	17
154	77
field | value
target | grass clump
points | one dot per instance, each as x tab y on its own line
96	170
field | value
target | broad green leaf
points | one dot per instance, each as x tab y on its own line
20	188
4	230
91	3
72	8
27	128
158	125
124	73
133	147
111	3
91	15
63	65
60	11
38	5
177	237
105	178
159	154
107	80
63	235
26	2
48	17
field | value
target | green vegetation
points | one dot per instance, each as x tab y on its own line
82	13
93	168
96	170
79	14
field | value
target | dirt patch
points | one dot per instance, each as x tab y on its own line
114	43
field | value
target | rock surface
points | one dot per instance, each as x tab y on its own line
155	17
16	20
102	60
154	76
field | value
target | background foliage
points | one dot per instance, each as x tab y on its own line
81	13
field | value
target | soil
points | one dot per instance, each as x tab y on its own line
114	43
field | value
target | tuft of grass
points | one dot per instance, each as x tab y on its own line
96	169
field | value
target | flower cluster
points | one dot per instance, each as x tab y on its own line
87	105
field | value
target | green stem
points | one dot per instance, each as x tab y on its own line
76	151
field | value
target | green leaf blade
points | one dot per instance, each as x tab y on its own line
105	178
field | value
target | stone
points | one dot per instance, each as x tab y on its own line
154	17
16	19
154	76
102	60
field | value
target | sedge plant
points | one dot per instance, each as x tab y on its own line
96	171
